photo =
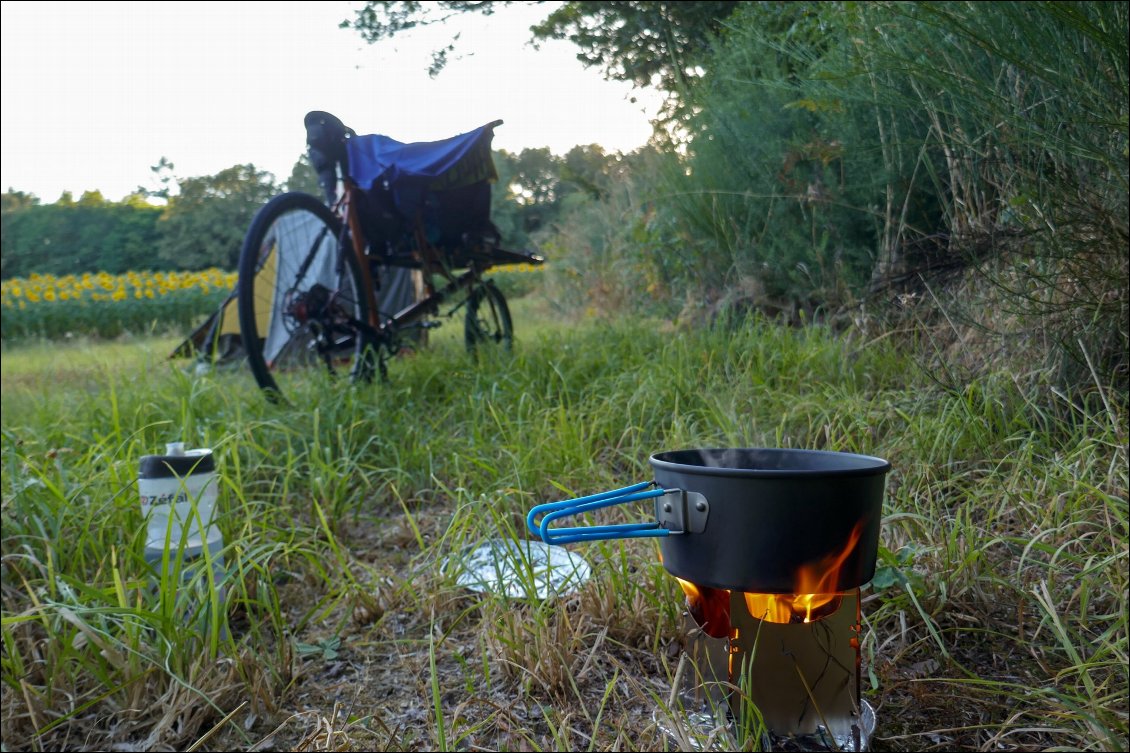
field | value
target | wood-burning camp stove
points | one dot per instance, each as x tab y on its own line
771	547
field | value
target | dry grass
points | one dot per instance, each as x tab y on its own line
998	621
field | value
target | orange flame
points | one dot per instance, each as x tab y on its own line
710	608
815	596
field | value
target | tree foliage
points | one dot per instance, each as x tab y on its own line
200	226
841	152
657	44
13	201
90	234
303	177
383	19
204	218
204	224
537	189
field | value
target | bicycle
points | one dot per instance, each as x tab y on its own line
310	272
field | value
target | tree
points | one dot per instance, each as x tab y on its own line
304	178
504	211
92	199
659	44
531	181
588	169
535	177
536	188
89	235
163	174
137	199
13	201
203	225
383	19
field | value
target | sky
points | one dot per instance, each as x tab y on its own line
94	94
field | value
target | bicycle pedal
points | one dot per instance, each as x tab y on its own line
431	324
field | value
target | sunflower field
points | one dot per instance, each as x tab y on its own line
105	305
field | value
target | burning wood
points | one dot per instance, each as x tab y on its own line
815	596
710	608
813	599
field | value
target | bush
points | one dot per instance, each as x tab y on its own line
841	150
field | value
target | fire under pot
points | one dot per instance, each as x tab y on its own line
771	548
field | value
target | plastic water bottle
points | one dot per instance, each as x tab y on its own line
178	502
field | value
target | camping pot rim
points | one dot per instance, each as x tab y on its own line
805	463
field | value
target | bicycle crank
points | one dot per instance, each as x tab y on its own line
302	307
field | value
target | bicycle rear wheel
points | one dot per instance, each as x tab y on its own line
300	297
487	322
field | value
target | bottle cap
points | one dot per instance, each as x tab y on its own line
176	465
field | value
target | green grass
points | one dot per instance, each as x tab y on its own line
998	618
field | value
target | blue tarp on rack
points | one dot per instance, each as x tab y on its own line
412	170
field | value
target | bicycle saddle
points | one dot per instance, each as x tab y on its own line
325	142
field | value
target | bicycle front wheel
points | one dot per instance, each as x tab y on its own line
487	322
300	297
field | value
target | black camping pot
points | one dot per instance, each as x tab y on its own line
752	520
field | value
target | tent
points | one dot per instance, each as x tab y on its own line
217	340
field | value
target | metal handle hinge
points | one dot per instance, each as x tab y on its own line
681	511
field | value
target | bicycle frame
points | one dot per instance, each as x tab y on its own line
429	260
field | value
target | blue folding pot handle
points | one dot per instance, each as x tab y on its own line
671	510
